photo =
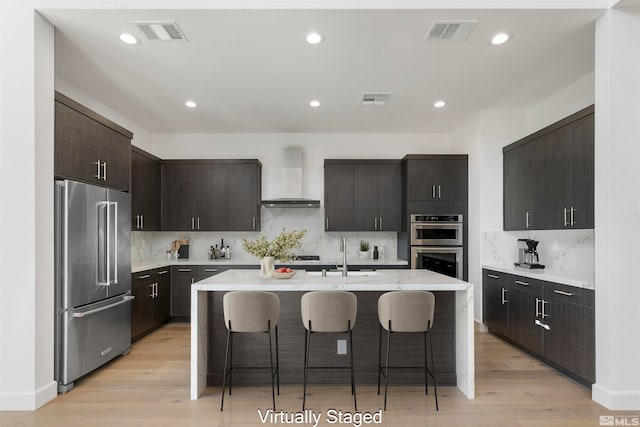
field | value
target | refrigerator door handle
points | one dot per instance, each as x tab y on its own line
115	243
107	307
107	260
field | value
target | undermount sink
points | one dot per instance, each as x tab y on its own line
339	273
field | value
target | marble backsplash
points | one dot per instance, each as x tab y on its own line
153	245
559	250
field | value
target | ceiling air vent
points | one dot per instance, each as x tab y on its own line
376	98
452	30
161	30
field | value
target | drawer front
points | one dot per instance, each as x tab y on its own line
569	294
209	270
184	269
161	272
142	277
525	284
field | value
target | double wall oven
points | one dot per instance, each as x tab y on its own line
437	243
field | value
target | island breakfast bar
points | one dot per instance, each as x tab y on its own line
385	280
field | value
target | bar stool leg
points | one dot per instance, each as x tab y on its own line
277	362
386	370
426	370
273	388
353	375
307	344
230	363
224	374
433	371
379	356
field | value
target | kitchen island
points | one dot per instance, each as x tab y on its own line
461	341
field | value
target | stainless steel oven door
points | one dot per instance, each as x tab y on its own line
445	234
447	261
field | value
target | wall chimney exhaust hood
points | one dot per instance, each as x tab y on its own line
291	183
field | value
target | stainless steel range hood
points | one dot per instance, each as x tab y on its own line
291	183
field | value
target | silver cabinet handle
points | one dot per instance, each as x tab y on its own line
527	220
146	276
98	310
572	221
433	191
142	222
163	272
518	282
439	192
198	223
375	222
504	299
326	223
193	225
380	223
137	222
254	222
493	276
544	303
537	304
211	270
156	288
566	294
98	169
184	270
565	217
104	171
153	290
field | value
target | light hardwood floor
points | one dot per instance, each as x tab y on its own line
150	387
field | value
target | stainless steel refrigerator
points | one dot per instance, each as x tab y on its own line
93	278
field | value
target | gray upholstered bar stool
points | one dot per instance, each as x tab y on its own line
406	311
249	311
328	311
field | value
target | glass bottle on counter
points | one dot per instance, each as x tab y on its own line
375	252
228	254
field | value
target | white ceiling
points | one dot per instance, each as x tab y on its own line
252	71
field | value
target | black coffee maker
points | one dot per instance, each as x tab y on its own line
528	254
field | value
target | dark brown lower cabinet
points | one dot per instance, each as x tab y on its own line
150	307
554	322
182	277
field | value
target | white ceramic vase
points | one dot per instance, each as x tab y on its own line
364	254
267	266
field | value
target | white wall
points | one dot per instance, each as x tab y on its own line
26	226
141	136
617	209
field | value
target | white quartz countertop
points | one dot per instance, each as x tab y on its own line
139	266
385	280
570	278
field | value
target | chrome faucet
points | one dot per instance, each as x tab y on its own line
343	249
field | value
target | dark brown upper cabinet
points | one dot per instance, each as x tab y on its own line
146	195
89	147
363	195
211	195
549	176
436	177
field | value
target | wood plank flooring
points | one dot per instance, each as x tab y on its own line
150	387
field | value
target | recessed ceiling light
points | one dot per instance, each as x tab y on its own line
190	104
315	103
500	38
439	104
314	38
128	38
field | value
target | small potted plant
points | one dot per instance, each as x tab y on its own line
278	249
364	249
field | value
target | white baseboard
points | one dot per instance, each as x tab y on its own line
28	401
628	400
481	326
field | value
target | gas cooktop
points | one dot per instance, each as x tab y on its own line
306	258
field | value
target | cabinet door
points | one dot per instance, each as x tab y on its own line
518	189
570	340
115	155
179	182
339	197
244	197
365	197
522	317
145	193
162	302
390	197
76	148
495	299
451	181
581	135
212	198
142	304
422	179
181	280
550	165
